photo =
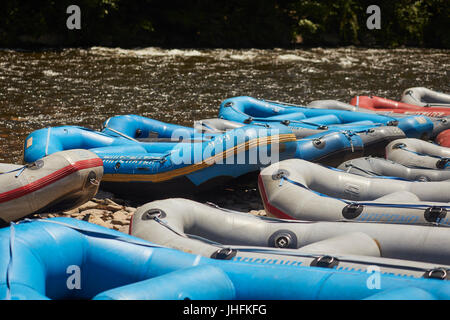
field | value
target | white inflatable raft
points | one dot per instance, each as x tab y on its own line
219	233
425	97
58	182
298	189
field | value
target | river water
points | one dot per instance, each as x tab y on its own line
86	86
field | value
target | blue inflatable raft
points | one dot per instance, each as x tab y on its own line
177	161
65	258
322	146
250	111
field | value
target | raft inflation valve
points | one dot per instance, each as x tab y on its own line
36	165
224	254
152	214
282	173
322	127
228	104
286	122
435	214
283	239
352	210
325	262
437	273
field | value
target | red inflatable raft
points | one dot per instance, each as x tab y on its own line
443	138
381	104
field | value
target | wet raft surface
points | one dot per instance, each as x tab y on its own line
86	86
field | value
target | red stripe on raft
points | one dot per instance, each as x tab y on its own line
51	178
270	208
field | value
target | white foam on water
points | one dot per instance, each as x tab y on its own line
50	73
146	52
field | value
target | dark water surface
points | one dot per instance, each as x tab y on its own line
86	86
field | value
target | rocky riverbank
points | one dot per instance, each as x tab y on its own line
114	213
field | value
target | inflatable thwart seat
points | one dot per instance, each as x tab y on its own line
424	97
419	154
167	159
298	189
379	167
113	265
58	182
250	110
212	232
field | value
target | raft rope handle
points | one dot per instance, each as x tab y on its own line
374	204
21	169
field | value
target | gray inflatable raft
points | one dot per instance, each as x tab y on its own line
418	153
224	234
298	189
376	167
425	97
58	182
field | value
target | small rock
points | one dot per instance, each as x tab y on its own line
130	209
70	212
120	218
87	205
99	221
96	212
113	207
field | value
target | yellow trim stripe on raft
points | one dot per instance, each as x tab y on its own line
163	176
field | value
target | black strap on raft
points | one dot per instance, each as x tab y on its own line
435	214
224	254
325	262
437	273
352	210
